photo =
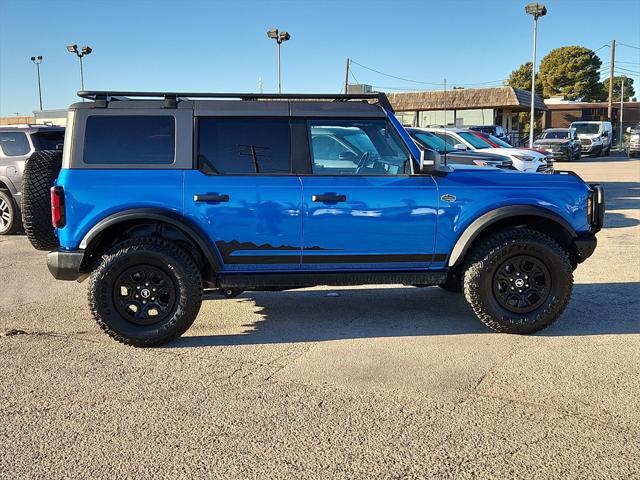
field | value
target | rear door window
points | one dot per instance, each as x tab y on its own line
130	140
14	144
236	146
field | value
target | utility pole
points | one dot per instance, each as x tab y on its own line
611	68
537	10
621	108
346	78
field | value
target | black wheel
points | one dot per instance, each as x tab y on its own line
9	217
454	282
40	171
576	156
518	281
145	292
607	151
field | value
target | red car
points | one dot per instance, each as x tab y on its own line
497	143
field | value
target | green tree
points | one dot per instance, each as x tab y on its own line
617	84
573	72
521	78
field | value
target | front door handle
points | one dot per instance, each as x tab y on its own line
329	198
210	197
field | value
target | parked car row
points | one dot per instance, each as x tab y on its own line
459	140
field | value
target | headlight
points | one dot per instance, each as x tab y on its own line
596	139
524	158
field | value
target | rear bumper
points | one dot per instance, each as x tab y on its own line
65	264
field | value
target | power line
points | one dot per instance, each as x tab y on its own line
627	45
404	79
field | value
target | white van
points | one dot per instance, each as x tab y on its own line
595	137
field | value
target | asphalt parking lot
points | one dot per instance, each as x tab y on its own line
372	382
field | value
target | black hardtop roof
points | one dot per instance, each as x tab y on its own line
296	104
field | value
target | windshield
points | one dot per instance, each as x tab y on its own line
590	128
500	142
433	142
555	135
474	140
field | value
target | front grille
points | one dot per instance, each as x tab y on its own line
542	168
585	141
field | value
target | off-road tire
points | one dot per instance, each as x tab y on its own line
491	254
40	171
10	221
454	282
174	262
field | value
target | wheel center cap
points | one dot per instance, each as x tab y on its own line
145	293
519	283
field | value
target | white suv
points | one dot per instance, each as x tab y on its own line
523	160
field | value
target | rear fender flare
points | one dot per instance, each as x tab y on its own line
160	215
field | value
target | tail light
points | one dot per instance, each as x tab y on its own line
58	214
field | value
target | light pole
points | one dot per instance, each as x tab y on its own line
86	50
38	60
279	37
537	10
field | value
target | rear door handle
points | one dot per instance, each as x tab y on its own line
210	197
329	198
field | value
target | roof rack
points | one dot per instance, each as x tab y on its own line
172	97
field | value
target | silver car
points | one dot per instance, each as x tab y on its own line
17	143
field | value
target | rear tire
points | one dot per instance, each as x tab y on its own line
518	281
40	171
9	214
145	292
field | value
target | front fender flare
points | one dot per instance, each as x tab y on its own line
481	223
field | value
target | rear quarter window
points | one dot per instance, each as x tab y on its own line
130	140
14	144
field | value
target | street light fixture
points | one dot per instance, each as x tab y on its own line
38	60
537	10
279	37
86	50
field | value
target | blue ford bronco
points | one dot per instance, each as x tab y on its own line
158	197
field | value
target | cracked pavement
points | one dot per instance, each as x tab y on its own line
378	382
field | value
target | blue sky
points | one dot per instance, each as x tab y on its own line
191	45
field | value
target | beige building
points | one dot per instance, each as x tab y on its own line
465	107
39	117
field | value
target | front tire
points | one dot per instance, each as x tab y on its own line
518	281
145	292
9	217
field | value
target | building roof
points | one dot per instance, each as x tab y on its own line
582	105
498	97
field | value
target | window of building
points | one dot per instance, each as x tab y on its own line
14	144
356	147
232	146
129	140
407	118
436	118
475	116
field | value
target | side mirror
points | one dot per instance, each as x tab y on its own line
605	134
429	160
628	129
460	146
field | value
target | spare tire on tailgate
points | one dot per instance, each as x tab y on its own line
40	171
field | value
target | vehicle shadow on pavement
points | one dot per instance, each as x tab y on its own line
317	315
